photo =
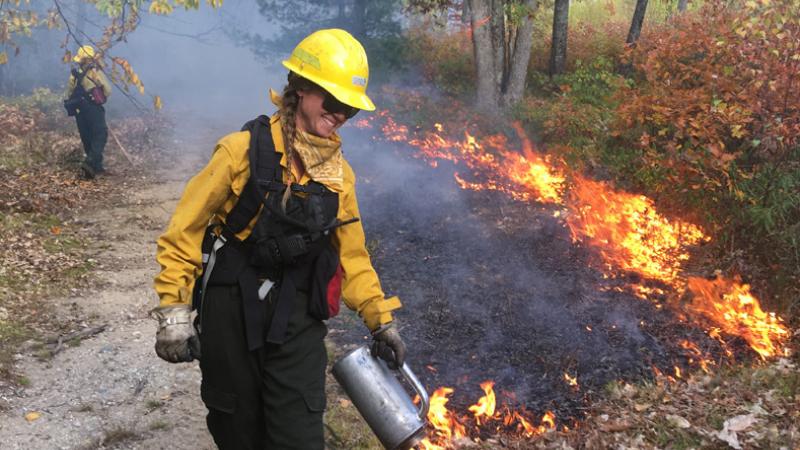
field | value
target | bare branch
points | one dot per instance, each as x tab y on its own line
135	102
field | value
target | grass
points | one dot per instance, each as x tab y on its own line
768	391
24	381
157	425
86	407
344	426
669	435
346	429
12	334
153	404
118	435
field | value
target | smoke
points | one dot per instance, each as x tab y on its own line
492	288
188	59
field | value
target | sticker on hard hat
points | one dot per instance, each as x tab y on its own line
359	81
307	58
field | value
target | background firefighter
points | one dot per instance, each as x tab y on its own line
263	356
87	91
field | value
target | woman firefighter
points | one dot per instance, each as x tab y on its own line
272	224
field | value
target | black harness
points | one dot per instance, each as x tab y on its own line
79	96
290	247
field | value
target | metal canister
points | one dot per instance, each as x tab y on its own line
382	400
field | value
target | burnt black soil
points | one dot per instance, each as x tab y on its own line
494	289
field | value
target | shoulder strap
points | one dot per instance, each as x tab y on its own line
79	75
265	174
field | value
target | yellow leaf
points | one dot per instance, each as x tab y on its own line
31	416
157	102
141	89
3	58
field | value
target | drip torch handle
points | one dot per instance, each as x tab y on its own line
423	394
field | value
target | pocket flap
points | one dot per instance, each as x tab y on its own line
219	400
315	401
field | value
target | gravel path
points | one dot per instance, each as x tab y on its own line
111	390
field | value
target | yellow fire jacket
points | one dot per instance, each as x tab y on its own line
94	77
211	195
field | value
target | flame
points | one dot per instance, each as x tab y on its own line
695	352
572	381
628	231
731	306
444	422
486	404
523	175
448	427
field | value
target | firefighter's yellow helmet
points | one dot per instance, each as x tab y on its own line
337	62
84	52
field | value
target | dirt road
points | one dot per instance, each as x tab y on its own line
110	390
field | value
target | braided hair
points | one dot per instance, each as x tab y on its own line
288	113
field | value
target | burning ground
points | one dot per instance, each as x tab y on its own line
507	281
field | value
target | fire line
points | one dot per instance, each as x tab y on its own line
626	230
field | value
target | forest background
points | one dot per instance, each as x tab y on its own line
693	104
697	108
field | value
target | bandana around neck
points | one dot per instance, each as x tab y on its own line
322	158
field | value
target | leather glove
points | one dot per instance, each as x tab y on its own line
388	346
176	339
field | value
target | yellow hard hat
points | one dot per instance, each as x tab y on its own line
85	52
337	62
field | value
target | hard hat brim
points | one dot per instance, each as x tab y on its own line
348	97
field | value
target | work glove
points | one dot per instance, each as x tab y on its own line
387	345
176	339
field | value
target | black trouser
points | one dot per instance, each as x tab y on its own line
92	127
270	398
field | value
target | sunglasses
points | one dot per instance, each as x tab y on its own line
334	106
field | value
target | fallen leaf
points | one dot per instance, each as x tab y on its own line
740	423
31	416
678	421
730	438
613	427
734	424
641	407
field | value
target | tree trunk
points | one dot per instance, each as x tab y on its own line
359	19
488	89
558	49
501	55
499	50
465	12
682	5
636	23
521	56
3	90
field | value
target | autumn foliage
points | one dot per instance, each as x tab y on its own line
719	86
713	116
